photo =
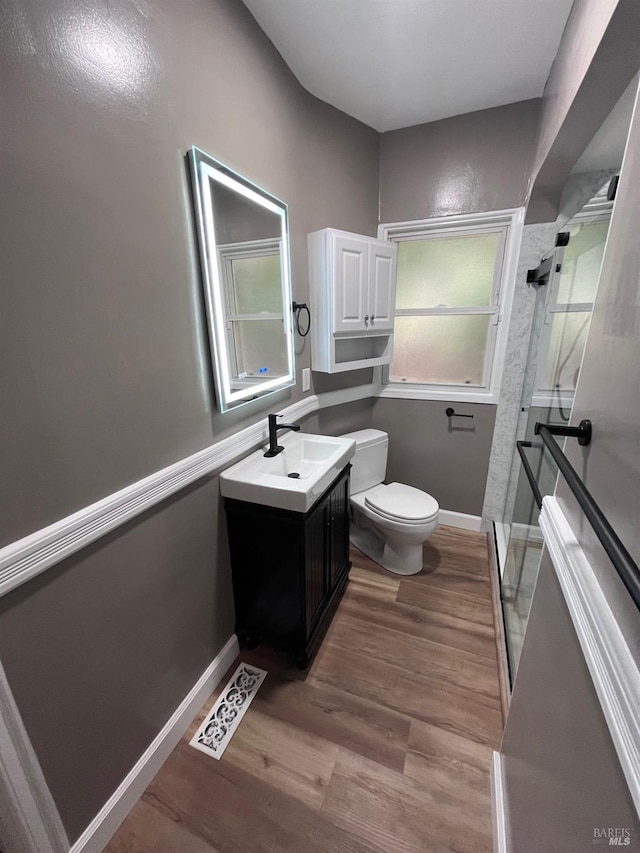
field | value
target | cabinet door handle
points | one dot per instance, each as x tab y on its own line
366	319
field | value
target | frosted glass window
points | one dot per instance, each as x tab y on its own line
447	272
581	262
257	284
449	350
446	307
560	364
258	352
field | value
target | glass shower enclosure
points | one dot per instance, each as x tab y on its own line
561	319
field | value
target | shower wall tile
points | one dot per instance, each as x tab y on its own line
536	240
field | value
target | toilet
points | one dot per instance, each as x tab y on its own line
391	522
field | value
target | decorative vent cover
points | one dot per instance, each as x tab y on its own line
224	717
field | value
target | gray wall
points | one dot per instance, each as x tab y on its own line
102	648
447	457
561	770
101	294
104	357
581	38
596	60
346	417
465	164
608	393
562	774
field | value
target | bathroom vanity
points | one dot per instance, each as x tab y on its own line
288	523
289	569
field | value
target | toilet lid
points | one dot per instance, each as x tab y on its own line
397	501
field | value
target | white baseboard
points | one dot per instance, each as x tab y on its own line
460	519
101	829
498	806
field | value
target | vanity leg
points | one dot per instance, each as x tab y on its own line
303	660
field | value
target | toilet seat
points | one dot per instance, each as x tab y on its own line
401	503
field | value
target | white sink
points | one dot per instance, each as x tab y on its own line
316	459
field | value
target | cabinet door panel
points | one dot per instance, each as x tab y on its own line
382	286
350	260
339	532
315	564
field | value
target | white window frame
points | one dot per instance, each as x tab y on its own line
227	254
511	223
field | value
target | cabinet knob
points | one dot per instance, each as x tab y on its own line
366	319
373	317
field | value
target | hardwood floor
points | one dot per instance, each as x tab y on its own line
382	746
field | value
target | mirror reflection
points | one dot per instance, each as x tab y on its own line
243	241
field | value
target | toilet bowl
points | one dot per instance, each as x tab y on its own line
391	522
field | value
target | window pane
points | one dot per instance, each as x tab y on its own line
560	365
581	263
455	272
260	344
447	350
258	284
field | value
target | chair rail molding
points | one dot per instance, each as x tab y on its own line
24	559
27	557
614	671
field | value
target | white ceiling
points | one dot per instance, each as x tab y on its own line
396	63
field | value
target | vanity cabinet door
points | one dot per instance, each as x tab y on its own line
382	286
350	259
315	564
338	526
289	569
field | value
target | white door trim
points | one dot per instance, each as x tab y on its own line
30	820
498	806
614	671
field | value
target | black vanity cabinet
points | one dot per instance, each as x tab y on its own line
289	569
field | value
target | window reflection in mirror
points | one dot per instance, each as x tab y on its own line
244	253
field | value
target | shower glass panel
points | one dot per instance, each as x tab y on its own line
558	336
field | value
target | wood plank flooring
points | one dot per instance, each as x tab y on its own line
382	746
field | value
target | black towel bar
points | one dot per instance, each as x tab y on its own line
451	413
622	560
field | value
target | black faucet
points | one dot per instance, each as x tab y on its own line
274	447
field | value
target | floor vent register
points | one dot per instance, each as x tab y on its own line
224	717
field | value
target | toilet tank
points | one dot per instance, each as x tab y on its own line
369	463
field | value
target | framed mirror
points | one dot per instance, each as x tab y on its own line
243	239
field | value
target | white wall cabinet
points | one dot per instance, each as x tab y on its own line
353	290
